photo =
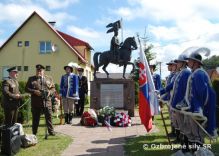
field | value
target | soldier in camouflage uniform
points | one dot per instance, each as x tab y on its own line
41	88
11	97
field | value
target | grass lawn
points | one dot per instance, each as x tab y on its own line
53	146
148	145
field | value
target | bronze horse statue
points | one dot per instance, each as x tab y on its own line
107	57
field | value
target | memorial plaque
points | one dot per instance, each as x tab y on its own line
117	93
111	95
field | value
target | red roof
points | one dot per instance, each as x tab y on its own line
74	41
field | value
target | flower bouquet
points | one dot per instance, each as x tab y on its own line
105	114
122	120
89	118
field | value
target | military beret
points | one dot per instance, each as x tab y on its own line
81	69
39	66
13	69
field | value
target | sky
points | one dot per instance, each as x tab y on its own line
171	26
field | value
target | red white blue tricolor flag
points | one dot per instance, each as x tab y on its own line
148	102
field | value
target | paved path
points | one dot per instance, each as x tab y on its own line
98	141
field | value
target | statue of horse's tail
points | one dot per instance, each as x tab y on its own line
95	59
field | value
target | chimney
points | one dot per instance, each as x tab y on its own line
52	23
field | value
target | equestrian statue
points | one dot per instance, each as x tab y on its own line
119	54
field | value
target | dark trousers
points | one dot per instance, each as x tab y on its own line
36	112
10	116
80	105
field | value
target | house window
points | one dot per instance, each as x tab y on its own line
19	68
25	68
48	68
19	43
45	47
27	43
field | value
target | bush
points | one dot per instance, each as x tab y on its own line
57	87
1	109
215	85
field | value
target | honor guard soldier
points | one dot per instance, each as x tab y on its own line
41	88
156	77
166	92
179	90
200	101
69	92
11	97
172	68
83	90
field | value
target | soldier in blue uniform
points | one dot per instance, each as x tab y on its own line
166	92
179	90
83	90
156	80
156	77
69	92
200	100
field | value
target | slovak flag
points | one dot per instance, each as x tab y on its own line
147	98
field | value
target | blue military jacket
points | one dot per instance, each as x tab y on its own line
69	86
169	86
157	81
201	95
179	87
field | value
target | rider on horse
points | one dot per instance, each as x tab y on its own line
115	45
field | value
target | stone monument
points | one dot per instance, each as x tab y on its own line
117	93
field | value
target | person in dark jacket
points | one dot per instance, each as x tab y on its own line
41	88
83	90
11	97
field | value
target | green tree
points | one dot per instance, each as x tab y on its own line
211	63
148	53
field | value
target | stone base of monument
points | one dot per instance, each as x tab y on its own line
117	93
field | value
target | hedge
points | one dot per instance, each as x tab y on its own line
215	85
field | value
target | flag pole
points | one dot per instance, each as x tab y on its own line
155	100
164	123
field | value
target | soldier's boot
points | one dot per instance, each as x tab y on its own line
70	118
185	144
172	134
66	118
177	137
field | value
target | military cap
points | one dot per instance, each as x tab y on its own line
13	69
196	57
171	62
81	69
71	65
153	66
181	58
39	66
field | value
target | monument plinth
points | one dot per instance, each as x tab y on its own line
117	93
